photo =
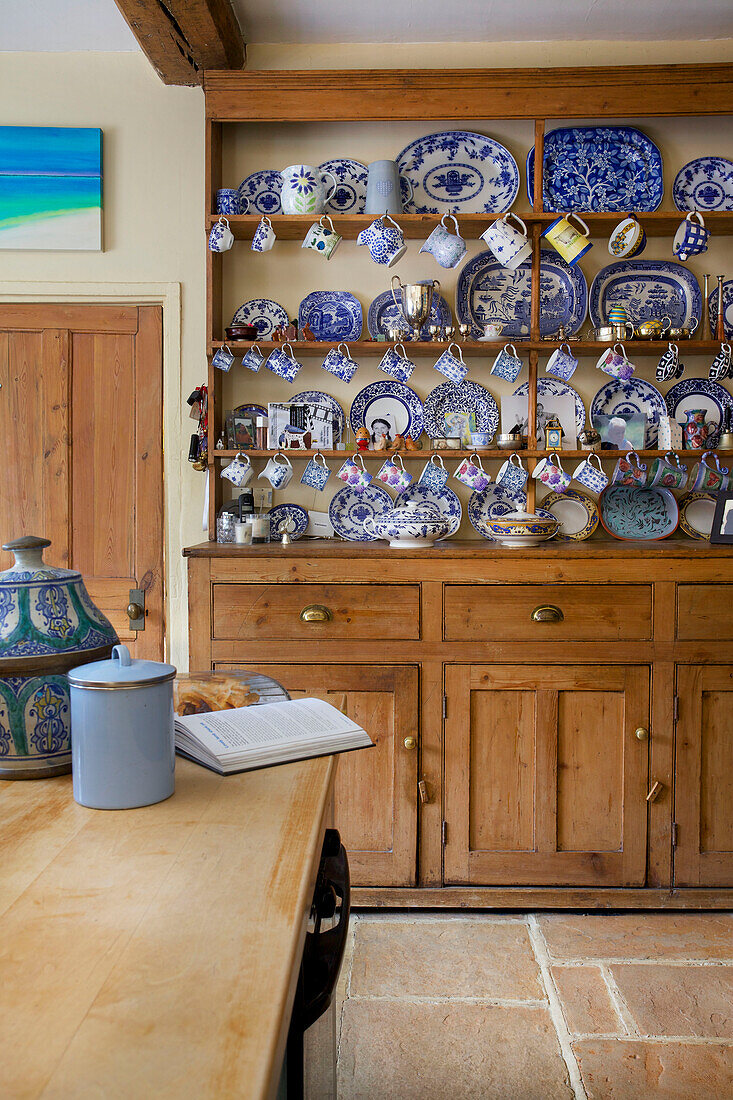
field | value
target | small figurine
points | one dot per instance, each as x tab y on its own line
306	333
397	444
412	444
291	332
362	439
382	443
220	443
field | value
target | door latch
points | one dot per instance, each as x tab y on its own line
136	609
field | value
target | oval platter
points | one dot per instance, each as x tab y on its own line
348	510
635	514
456	170
648	290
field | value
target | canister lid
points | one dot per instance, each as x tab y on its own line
121	671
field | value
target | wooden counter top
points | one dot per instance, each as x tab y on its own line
154	952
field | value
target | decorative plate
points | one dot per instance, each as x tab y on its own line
465	396
262	189
577	514
391	401
318	397
350	194
554	387
697	511
332	315
264	313
445	500
491	502
608	168
648	289
349	508
641	515
455	170
288	513
489	292
704	184
727	309
384	314
699	393
250	410
617	398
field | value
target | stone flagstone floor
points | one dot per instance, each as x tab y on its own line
537	1007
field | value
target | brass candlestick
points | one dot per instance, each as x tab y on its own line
720	325
705	331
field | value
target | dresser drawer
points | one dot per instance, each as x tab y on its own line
390	611
704	612
575	612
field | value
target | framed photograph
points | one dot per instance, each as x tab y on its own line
243	429
514	411
722	530
621	432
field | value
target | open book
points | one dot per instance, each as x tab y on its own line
257	737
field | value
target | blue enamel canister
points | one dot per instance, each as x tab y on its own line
122	749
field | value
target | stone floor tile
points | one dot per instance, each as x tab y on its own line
638	935
678	1000
401	1050
615	1070
586	1002
451	958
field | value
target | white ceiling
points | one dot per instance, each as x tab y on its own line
61	25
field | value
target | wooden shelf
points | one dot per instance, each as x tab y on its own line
427	453
472	347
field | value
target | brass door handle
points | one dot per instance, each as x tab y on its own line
134	611
547	613
316	613
641	734
410	743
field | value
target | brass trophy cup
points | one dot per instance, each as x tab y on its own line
415	302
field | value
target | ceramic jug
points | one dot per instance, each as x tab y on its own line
695	431
303	191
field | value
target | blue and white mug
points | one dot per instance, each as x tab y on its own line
446	247
434	474
562	363
239	471
278	473
264	235
340	363
507	363
223	358
395	363
316	473
253	358
386	243
691	238
591	476
512	475
283	363
451	364
228	201
221	237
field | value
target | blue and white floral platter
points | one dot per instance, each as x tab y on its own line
290	514
332	315
649	290
392	401
455	170
619	398
351	180
262	191
264	314
349	508
705	183
465	397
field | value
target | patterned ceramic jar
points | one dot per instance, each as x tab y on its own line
48	625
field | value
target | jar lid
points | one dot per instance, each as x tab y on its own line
121	671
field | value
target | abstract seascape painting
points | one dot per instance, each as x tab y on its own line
50	187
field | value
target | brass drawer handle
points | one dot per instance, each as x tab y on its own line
547	613
316	613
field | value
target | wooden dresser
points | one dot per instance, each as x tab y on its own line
554	726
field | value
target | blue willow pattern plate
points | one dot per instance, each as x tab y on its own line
699	393
490	503
639	514
262	190
349	508
648	289
351	184
554	387
332	315
265	314
384	314
455	170
445	500
392	401
606	168
466	397
618	398
704	184
318	397
288	513
727	309
489	292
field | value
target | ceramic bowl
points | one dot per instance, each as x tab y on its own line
521	528
638	514
413	526
241	332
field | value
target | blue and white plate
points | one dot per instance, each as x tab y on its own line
727	309
554	387
649	290
349	508
466	397
699	393
350	194
262	189
391	401
491	502
332	315
617	398
489	292
384	314
290	514
265	314
704	184
606	168
445	500
318	397
455	170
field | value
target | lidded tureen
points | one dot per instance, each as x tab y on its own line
412	526
48	625
522	528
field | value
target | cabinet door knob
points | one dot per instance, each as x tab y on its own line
641	734
547	613
316	613
410	743
134	611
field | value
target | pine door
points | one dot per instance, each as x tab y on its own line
81	417
545	778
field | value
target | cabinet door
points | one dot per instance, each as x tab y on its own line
545	779
704	776
375	793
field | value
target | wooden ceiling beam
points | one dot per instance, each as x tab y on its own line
182	38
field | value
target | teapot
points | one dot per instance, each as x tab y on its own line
303	191
652	329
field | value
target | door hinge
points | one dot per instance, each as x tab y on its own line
674	834
676	712
444	833
445	706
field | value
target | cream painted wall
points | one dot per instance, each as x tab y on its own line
153	199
